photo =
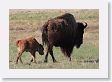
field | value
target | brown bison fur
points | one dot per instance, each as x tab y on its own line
29	45
64	32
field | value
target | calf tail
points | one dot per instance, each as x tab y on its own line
17	43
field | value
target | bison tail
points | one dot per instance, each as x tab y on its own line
44	35
44	38
67	51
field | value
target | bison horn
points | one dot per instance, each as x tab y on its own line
85	24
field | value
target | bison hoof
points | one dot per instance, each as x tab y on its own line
45	61
54	61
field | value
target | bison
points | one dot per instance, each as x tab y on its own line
29	45
64	32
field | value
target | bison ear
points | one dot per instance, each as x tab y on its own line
85	25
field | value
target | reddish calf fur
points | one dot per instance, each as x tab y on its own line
29	45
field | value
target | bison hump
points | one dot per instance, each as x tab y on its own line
57	25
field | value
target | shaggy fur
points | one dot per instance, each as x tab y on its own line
29	45
64	32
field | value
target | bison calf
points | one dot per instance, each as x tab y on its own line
29	45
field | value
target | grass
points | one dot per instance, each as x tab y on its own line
24	23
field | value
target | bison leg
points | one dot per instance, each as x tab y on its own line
51	53
67	52
68	55
46	51
69	58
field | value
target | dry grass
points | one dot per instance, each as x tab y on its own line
24	23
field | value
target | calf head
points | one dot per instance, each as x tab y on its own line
80	32
40	49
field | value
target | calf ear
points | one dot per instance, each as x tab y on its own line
85	25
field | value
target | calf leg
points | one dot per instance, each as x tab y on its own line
31	60
21	60
46	57
33	56
18	57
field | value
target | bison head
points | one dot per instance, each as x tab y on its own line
40	49
79	33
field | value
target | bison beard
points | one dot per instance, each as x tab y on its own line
64	32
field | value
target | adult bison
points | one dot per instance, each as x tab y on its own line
64	32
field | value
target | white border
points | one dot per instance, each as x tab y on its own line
102	72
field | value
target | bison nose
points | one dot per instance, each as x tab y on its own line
42	53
